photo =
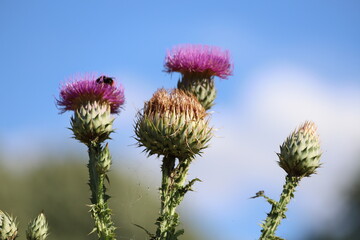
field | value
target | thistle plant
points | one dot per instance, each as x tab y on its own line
198	65
300	157
173	125
93	101
8	227
38	229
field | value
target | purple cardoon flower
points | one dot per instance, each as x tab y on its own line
207	60
81	90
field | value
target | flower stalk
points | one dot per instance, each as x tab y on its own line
173	190
300	157
175	125
99	165
93	100
279	209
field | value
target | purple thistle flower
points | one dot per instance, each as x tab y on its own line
207	60
78	91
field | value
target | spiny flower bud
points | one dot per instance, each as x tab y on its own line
38	229
198	65
104	161
173	124
8	227
92	123
300	153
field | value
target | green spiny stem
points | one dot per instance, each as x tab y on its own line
99	208
278	209
172	191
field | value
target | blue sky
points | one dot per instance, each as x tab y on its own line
293	61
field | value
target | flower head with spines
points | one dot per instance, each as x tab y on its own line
200	59
38	229
79	91
173	124
198	65
93	100
300	153
8	227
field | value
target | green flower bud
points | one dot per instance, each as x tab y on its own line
300	153
173	124
92	123
104	161
38	229
203	87
8	227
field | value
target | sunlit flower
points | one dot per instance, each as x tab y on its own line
80	91
207	60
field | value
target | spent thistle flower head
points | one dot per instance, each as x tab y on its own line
38	229
198	65
79	91
173	124
300	153
8	227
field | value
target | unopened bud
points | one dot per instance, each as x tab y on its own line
8	227
38	229
300	153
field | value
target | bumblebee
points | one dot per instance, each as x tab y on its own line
105	80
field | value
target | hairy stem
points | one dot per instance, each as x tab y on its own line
99	209
172	192
278	209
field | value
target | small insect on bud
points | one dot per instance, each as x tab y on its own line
8	227
300	153
79	91
173	124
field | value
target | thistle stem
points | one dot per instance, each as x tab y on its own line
99	208
278	209
172	193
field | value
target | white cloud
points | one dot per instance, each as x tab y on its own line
243	160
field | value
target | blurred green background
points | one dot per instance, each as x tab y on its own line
59	189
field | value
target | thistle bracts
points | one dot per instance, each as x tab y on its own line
8	227
174	125
300	153
299	157
38	229
201	86
199	64
92	123
93	100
